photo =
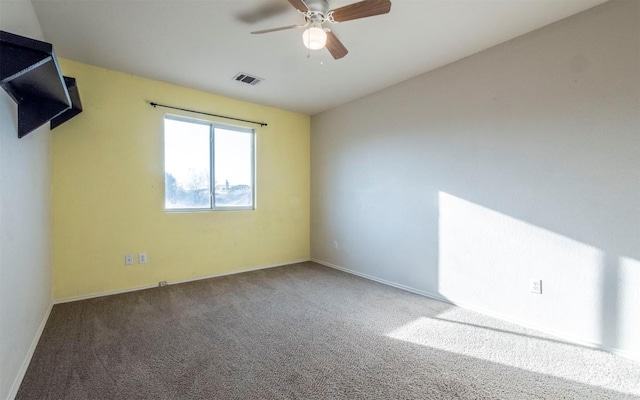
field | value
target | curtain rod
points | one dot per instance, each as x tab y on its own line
154	105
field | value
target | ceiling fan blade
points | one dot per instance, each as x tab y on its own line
299	5
362	9
282	28
335	46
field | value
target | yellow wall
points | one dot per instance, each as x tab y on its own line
108	190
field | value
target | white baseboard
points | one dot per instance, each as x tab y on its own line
559	335
135	289
383	281
27	359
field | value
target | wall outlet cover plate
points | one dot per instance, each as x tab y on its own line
536	286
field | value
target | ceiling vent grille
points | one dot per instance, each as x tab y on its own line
248	79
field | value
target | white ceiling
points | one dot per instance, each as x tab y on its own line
203	44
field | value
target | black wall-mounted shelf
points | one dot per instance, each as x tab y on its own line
76	104
30	74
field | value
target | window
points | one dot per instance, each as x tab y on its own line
208	166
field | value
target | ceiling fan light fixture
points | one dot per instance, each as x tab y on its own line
314	38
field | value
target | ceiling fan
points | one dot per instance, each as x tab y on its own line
317	12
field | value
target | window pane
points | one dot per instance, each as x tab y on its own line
233	168
187	165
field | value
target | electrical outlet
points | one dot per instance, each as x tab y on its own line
536	286
142	258
162	283
128	259
335	244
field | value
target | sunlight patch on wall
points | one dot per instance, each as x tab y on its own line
488	259
628	304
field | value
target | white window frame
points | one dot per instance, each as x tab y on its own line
212	127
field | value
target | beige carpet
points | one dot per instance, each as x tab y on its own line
305	332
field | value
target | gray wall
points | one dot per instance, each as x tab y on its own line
25	222
521	162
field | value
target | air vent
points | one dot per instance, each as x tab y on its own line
248	79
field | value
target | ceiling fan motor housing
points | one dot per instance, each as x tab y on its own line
318	11
319	6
